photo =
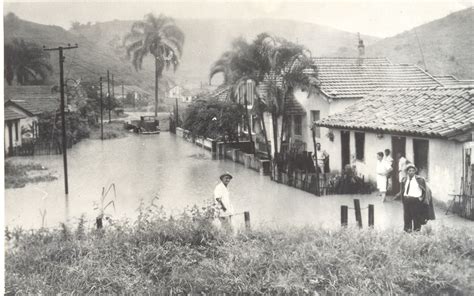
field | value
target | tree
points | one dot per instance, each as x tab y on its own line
274	64
160	37
26	61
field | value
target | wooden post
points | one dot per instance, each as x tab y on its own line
358	215
247	220
343	216
371	215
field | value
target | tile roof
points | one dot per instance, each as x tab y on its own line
355	81
221	93
448	80
350	61
11	114
293	107
35	99
37	106
432	111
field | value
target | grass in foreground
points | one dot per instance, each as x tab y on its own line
112	130
156	256
17	175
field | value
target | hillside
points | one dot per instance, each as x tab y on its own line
207	39
447	45
89	61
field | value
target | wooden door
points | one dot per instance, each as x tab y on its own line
345	149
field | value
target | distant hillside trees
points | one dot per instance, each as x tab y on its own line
160	37
26	62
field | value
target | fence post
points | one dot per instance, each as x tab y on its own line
371	215
343	216
358	215
247	220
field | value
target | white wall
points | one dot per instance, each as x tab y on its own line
444	160
338	105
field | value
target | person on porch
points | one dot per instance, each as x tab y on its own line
382	170
322	159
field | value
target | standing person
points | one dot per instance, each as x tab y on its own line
402	166
222	197
382	172
322	159
416	199
389	162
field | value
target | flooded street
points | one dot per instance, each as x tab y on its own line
180	174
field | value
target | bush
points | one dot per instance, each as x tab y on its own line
16	175
213	119
187	255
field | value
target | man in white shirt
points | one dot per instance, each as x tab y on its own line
221	195
413	192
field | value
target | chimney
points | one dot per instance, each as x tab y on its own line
361	49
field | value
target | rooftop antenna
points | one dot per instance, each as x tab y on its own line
421	50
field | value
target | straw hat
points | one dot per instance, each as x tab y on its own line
411	165
225	174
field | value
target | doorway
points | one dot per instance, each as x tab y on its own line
420	155
345	149
398	146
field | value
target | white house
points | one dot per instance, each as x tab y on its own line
432	126
343	81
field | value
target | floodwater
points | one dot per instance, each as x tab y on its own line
179	174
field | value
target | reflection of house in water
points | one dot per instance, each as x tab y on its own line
432	126
23	105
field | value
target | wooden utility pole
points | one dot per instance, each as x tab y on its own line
62	106
177	114
156	87
108	94
101	112
313	130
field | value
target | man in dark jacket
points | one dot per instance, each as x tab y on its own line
416	199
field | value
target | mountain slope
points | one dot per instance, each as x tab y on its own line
207	39
89	61
447	45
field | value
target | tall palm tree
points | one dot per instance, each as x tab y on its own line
160	37
26	61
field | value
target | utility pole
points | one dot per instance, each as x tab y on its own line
177	114
101	111
62	106
108	93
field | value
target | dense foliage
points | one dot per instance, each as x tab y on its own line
188	255
213	119
27	62
77	127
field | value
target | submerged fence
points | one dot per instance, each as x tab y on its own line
38	147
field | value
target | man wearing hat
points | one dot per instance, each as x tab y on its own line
416	199
221	195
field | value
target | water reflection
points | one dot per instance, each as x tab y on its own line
180	174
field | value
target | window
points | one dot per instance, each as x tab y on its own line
420	156
297	125
315	116
360	145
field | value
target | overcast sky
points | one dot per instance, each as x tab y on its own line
381	18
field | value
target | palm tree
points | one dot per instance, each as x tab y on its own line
26	61
160	37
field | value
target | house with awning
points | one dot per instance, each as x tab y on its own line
22	107
343	81
432	126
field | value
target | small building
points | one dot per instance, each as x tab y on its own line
30	102
432	126
12	129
